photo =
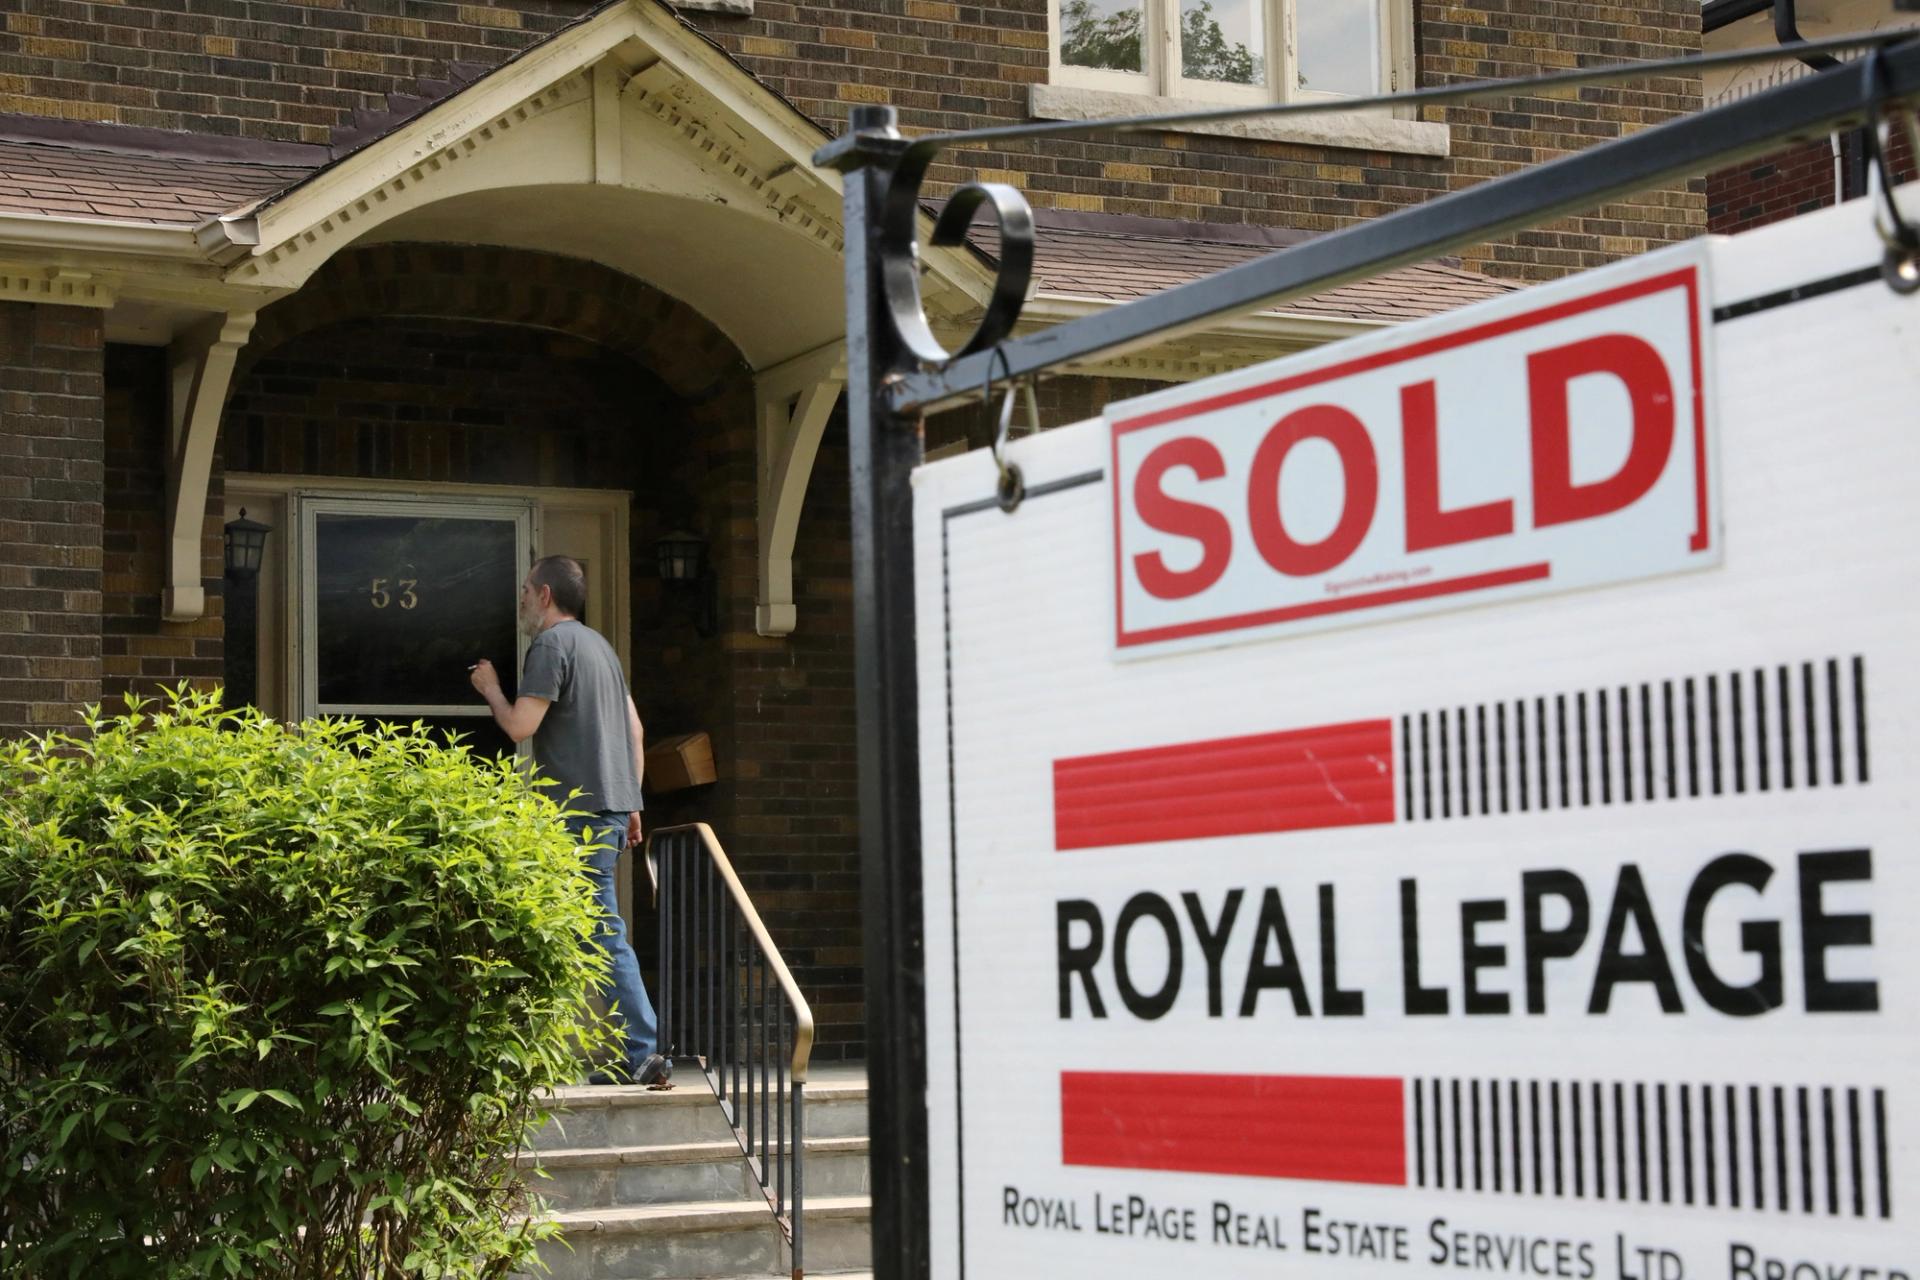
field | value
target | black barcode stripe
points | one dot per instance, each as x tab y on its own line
1626	746
1480	731
1786	731
1640	1137
1693	741
1760	726
1446	782
1854	1162
1520	748
1781	1201
1579	1145
1686	1141
1426	781
1806	1153
1620	1139
1713	731
1666	1148
1606	755
1419	1136
1560	734
1494	1131
1880	1151
1586	787
1757	1146
1733	1147
1739	735
1466	772
1834	739
1860	718
1476	1137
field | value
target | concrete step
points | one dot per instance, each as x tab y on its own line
836	1108
689	1172
633	1116
692	1242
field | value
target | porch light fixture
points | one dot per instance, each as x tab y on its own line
681	557
246	542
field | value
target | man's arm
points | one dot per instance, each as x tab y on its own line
517	719
637	736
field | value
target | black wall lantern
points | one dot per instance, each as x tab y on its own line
246	543
682	561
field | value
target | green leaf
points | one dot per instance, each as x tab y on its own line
284	1098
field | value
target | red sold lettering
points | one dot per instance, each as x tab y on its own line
1183	519
1361	476
1428	526
1556	499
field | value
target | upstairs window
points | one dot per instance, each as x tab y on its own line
1231	50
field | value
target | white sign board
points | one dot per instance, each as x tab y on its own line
1451	919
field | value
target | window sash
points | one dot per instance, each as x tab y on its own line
1161	57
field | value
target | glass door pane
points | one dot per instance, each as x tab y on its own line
404	604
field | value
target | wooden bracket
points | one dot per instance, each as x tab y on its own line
200	364
792	402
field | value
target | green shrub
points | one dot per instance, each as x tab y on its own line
276	1002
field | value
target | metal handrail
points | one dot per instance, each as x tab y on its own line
729	1002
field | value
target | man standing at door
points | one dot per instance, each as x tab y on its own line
587	744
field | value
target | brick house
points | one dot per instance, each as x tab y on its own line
430	287
1808	175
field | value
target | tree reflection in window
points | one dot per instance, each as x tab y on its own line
1206	53
1091	36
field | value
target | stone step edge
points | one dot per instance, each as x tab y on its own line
675	1219
670	1153
593	1097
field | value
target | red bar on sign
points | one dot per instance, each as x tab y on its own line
1317	1128
1337	775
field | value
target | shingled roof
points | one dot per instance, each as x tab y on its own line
120	173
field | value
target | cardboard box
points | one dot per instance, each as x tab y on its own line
684	760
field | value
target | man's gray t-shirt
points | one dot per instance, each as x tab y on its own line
582	743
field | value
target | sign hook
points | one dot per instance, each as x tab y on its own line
1011	486
1900	268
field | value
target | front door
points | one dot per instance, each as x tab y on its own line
399	598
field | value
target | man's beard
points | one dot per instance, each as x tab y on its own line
529	621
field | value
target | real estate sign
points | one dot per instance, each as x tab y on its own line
1443	803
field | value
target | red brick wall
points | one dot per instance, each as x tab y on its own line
143	653
51	473
1785	184
281	71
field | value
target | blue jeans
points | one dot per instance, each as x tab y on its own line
603	836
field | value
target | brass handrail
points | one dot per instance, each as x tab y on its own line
802	1011
716	1007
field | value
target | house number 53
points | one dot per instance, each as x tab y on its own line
381	597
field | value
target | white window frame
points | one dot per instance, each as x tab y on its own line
1160	58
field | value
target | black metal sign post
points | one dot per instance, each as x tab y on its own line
897	371
884	447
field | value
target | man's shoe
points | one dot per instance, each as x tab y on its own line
657	1069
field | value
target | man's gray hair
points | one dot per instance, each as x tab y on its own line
563	576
